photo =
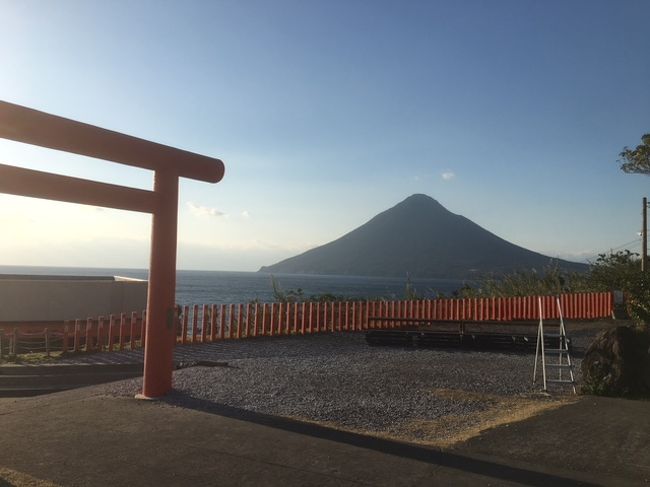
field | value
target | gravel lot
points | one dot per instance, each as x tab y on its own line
338	380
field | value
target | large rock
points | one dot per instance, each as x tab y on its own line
617	363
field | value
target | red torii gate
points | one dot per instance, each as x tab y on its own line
33	127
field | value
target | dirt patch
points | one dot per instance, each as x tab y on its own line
11	478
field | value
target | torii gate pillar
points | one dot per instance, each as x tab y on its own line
168	163
161	299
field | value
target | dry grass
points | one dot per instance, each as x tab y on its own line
18	479
448	431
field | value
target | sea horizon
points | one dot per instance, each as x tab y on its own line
215	287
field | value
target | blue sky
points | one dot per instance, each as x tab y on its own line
511	113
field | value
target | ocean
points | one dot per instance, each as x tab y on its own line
216	287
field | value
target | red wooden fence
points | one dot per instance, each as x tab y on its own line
207	323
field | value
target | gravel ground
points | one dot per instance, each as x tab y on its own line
337	379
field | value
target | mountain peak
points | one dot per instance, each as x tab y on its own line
420	237
420	198
421	204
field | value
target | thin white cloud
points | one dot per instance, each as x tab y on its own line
202	211
448	175
245	214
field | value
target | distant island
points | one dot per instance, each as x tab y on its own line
421	238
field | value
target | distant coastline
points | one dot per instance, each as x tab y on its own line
213	287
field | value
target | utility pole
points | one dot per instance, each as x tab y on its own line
644	230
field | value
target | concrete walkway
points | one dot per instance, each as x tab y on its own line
83	437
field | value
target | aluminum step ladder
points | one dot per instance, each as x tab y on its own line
564	362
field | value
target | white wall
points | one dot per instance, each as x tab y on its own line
34	299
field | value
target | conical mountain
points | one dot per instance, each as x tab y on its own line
420	237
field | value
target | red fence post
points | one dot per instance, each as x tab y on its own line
204	323
581	306
310	317
121	330
213	322
89	329
327	311
318	317
285	320
280	316
99	345
524	307
222	322
323	313
231	314
366	315
246	322
77	335
143	332
256	320
592	305
359	315
610	303
66	332
296	313
186	320
240	320
353	316
272	319
195	322
111	332
134	324
338	311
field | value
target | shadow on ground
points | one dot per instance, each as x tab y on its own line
405	450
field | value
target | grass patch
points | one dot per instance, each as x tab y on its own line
12	478
32	358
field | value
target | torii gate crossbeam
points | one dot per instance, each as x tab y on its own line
33	127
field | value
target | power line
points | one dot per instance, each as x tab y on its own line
613	249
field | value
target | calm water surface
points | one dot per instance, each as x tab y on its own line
203	287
